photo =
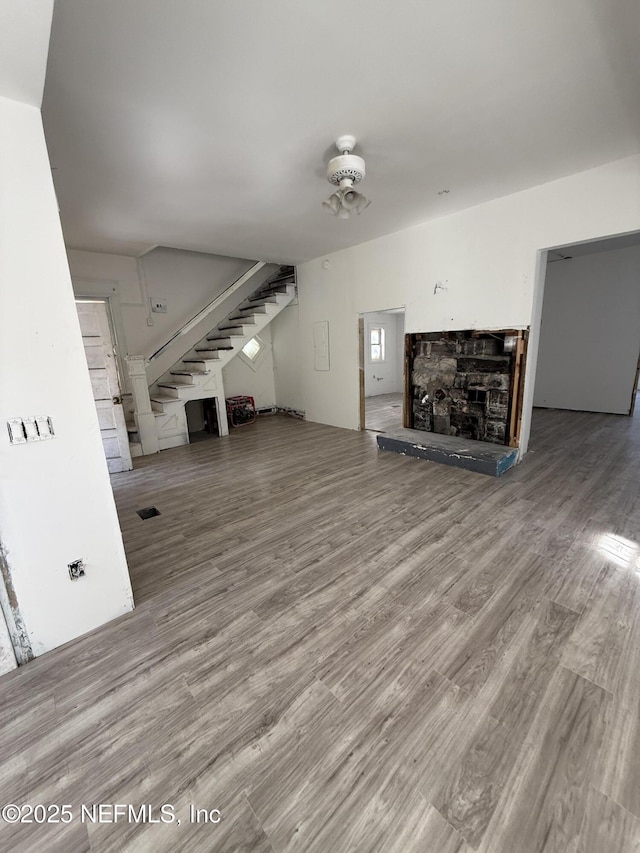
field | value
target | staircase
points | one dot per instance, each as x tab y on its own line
198	374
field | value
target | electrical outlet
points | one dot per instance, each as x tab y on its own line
76	570
158	305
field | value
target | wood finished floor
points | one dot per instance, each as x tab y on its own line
349	650
383	412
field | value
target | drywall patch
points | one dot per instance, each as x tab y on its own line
22	647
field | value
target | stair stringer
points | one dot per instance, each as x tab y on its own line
198	374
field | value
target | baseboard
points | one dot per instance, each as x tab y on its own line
295	413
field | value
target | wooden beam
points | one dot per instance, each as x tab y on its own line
407	407
517	389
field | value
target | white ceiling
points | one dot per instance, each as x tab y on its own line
208	125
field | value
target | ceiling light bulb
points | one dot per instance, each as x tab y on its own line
350	199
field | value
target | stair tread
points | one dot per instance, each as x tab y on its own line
176	385
163	398
202	360
264	299
188	372
212	349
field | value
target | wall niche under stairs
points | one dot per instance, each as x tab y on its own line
202	419
466	383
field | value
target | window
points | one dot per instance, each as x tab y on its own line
252	348
254	352
376	344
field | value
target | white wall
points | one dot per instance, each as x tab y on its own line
287	350
487	260
253	380
590	333
56	503
187	280
381	377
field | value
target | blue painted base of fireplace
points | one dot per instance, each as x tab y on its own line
479	456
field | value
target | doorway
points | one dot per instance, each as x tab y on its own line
202	419
100	351
382	369
589	347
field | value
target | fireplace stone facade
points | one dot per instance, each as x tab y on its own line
461	383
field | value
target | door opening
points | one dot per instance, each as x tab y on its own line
381	340
202	419
100	352
588	353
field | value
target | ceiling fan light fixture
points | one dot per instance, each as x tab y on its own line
350	199
332	204
363	203
345	171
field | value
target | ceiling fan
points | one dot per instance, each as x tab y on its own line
345	171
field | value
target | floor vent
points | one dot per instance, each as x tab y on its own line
148	512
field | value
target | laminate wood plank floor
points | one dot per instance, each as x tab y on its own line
346	650
383	412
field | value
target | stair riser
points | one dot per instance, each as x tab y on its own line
171	392
248	311
236	331
181	379
243	319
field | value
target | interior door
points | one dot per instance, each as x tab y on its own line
101	361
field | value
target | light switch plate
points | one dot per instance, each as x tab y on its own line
44	426
16	431
30	428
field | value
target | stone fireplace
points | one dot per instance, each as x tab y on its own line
466	383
